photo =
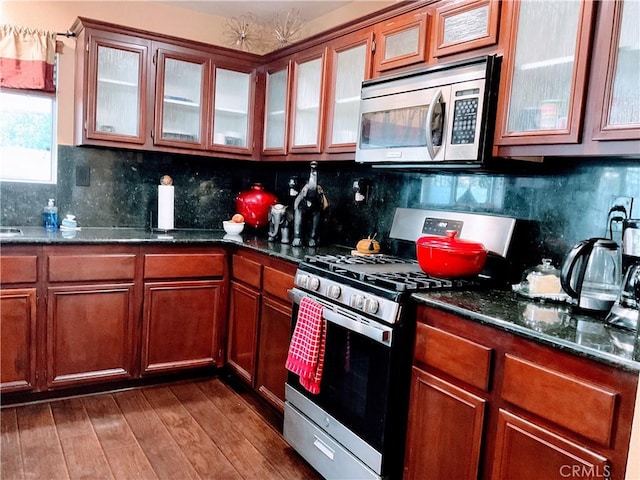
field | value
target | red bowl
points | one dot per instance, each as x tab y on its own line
450	256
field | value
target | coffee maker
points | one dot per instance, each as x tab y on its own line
626	311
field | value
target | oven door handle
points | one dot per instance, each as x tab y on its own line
379	333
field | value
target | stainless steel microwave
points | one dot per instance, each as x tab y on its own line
443	115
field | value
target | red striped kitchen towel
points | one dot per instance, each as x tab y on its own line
306	350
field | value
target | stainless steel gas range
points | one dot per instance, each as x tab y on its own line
354	428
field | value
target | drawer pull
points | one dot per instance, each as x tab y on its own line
323	447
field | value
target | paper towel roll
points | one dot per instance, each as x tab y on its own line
165	207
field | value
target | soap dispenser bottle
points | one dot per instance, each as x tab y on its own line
50	215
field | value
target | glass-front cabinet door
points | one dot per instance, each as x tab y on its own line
619	96
276	107
232	109
349	63
117	108
401	41
181	99
306	103
544	72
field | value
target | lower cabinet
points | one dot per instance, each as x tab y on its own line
489	404
521	444
18	333
180	328
183	309
260	323
90	315
89	334
275	331
18	317
244	311
450	421
81	315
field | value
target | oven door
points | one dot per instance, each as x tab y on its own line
356	378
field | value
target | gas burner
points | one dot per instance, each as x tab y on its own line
370	259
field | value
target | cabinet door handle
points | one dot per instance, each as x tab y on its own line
323	447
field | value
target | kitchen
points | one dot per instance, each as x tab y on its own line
122	180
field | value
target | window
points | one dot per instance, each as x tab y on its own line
28	146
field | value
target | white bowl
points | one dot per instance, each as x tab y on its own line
232	227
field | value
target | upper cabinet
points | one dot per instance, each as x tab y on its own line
617	99
276	119
306	102
401	41
544	72
137	89
570	80
182	94
116	66
464	26
232	109
349	64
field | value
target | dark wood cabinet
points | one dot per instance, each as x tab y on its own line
260	323
615	86
486	403
182	95
143	90
446	420
275	331
90	334
349	63
90	315
463	26
569	90
521	445
401	41
445	429
184	308
180	327
17	339
116	66
544	73
244	311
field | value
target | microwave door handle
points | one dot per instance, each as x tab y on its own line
437	98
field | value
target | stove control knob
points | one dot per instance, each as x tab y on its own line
371	306
334	291
314	283
357	301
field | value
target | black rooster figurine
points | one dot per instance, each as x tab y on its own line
308	207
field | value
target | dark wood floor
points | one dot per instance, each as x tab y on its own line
199	429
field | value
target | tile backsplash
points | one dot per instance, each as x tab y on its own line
569	199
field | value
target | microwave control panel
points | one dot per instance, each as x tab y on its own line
465	115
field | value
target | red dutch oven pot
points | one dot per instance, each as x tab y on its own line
450	256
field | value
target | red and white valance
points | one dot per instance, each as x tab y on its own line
27	58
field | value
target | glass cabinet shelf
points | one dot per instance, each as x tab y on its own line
114	81
181	102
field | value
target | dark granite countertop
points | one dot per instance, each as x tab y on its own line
104	235
556	324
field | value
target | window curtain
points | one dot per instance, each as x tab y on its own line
27	58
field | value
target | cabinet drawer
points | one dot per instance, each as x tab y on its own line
454	355
247	271
191	265
565	400
277	283
73	268
19	269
